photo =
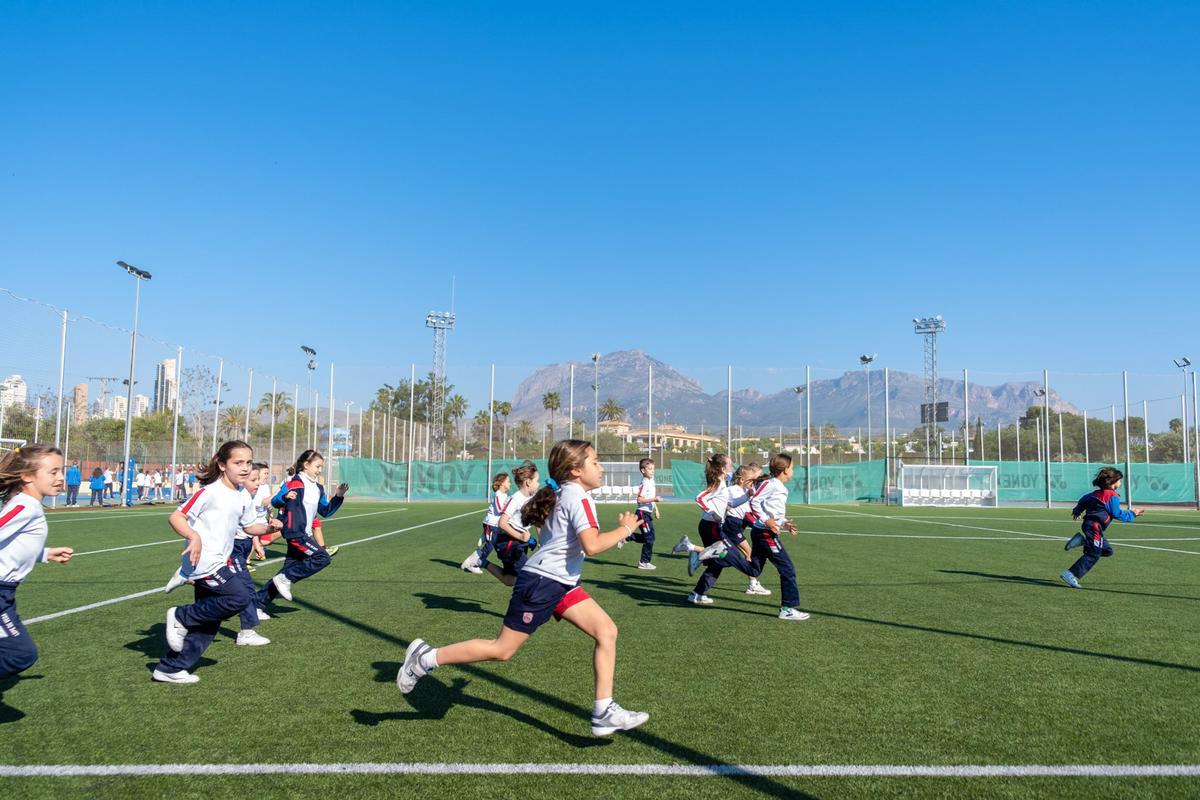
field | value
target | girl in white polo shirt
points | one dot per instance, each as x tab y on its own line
27	474
209	521
548	585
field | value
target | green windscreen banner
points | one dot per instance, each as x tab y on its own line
1025	481
431	480
831	483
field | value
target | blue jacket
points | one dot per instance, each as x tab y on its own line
74	476
294	517
1099	508
96	483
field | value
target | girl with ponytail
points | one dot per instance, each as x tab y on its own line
548	585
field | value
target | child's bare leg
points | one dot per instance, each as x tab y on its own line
502	648
593	620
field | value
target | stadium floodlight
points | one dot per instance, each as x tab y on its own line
139	275
866	360
929	328
1183	363
311	365
596	402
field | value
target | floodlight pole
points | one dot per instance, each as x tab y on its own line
491	423
217	402
271	451
1087	451
175	421
729	409
808	435
139	275
249	400
966	421
595	403
571	405
887	440
1195	442
1115	458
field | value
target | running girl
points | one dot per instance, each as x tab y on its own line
548	585
209	521
27	474
769	505
499	502
513	540
260	502
1098	509
301	499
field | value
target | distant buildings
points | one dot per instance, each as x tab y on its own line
115	407
141	405
166	385
79	404
13	391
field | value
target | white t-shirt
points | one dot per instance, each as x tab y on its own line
495	509
739	511
647	489
218	514
179	478
140	479
157	478
560	556
515	504
770	502
261	503
108	477
22	537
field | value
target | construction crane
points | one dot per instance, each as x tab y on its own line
103	388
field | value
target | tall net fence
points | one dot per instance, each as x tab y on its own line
1046	430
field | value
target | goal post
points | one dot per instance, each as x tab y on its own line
949	485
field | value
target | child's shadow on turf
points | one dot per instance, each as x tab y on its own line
648	596
1057	584
9	713
443	603
152	646
432	699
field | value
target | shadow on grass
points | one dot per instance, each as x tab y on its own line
153	646
1052	648
1058	584
432	699
674	750
648	595
464	604
9	713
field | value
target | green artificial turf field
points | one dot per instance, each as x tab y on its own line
938	638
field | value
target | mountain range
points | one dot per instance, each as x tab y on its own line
837	401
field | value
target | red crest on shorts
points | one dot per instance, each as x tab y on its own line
527	617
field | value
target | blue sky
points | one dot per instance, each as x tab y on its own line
763	184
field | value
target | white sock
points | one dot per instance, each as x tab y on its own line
429	660
601	706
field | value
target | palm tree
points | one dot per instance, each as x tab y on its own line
456	409
611	409
503	409
479	425
551	401
233	420
278	400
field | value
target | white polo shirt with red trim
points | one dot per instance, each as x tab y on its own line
647	489
495	509
218	514
560	556
513	509
22	537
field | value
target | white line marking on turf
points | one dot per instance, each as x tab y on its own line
1004	530
673	770
158	589
953	538
180	541
105	515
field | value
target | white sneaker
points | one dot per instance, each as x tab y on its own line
252	638
283	584
175	633
471	563
621	543
757	588
1070	580
176	581
262	615
646	565
684	545
616	719
715	550
411	670
792	614
183	676
699	599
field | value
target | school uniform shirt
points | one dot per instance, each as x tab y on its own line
495	509
158	479
22	537
769	502
261	505
560	555
647	489
218	514
713	503
312	502
515	504
738	502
